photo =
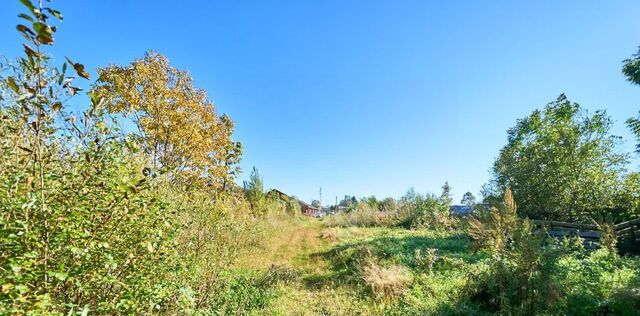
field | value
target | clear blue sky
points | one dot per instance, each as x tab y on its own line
368	97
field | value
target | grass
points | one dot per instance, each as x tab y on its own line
303	267
359	271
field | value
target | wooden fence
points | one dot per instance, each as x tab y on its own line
627	233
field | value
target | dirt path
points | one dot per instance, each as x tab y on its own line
289	245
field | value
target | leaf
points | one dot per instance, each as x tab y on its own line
41	28
58	275
55	13
57	106
79	69
45	33
13	85
29	51
46	40
28	4
26	17
74	90
25	29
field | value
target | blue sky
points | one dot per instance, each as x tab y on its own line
368	97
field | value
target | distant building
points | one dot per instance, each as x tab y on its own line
306	208
309	209
460	210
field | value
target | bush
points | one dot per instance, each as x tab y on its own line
412	211
531	274
87	224
385	282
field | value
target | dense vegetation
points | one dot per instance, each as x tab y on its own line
129	206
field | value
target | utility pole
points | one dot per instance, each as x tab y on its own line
321	198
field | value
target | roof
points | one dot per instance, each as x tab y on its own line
460	210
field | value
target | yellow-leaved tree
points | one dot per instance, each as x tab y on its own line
176	122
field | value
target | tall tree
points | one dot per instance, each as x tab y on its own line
445	196
254	188
176	123
561	163
468	199
631	70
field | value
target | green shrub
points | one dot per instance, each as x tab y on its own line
86	226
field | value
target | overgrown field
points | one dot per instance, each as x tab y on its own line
307	268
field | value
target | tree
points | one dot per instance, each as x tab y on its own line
254	188
348	201
468	199
82	231
634	125
445	196
387	205
631	70
177	124
371	201
561	163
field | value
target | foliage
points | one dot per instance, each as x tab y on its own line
468	199
413	210
445	196
388	205
427	211
254	188
631	68
530	274
492	229
563	164
82	227
520	276
214	232
634	125
87	224
293	207
348	201
177	124
385	282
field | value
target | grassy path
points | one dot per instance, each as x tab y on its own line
313	270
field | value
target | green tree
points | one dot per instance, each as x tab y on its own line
82	229
348	201
371	201
468	199
388	205
445	196
562	163
254	188
634	125
631	70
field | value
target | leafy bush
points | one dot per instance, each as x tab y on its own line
411	211
88	225
528	273
542	156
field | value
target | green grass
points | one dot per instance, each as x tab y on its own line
304	268
327	262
